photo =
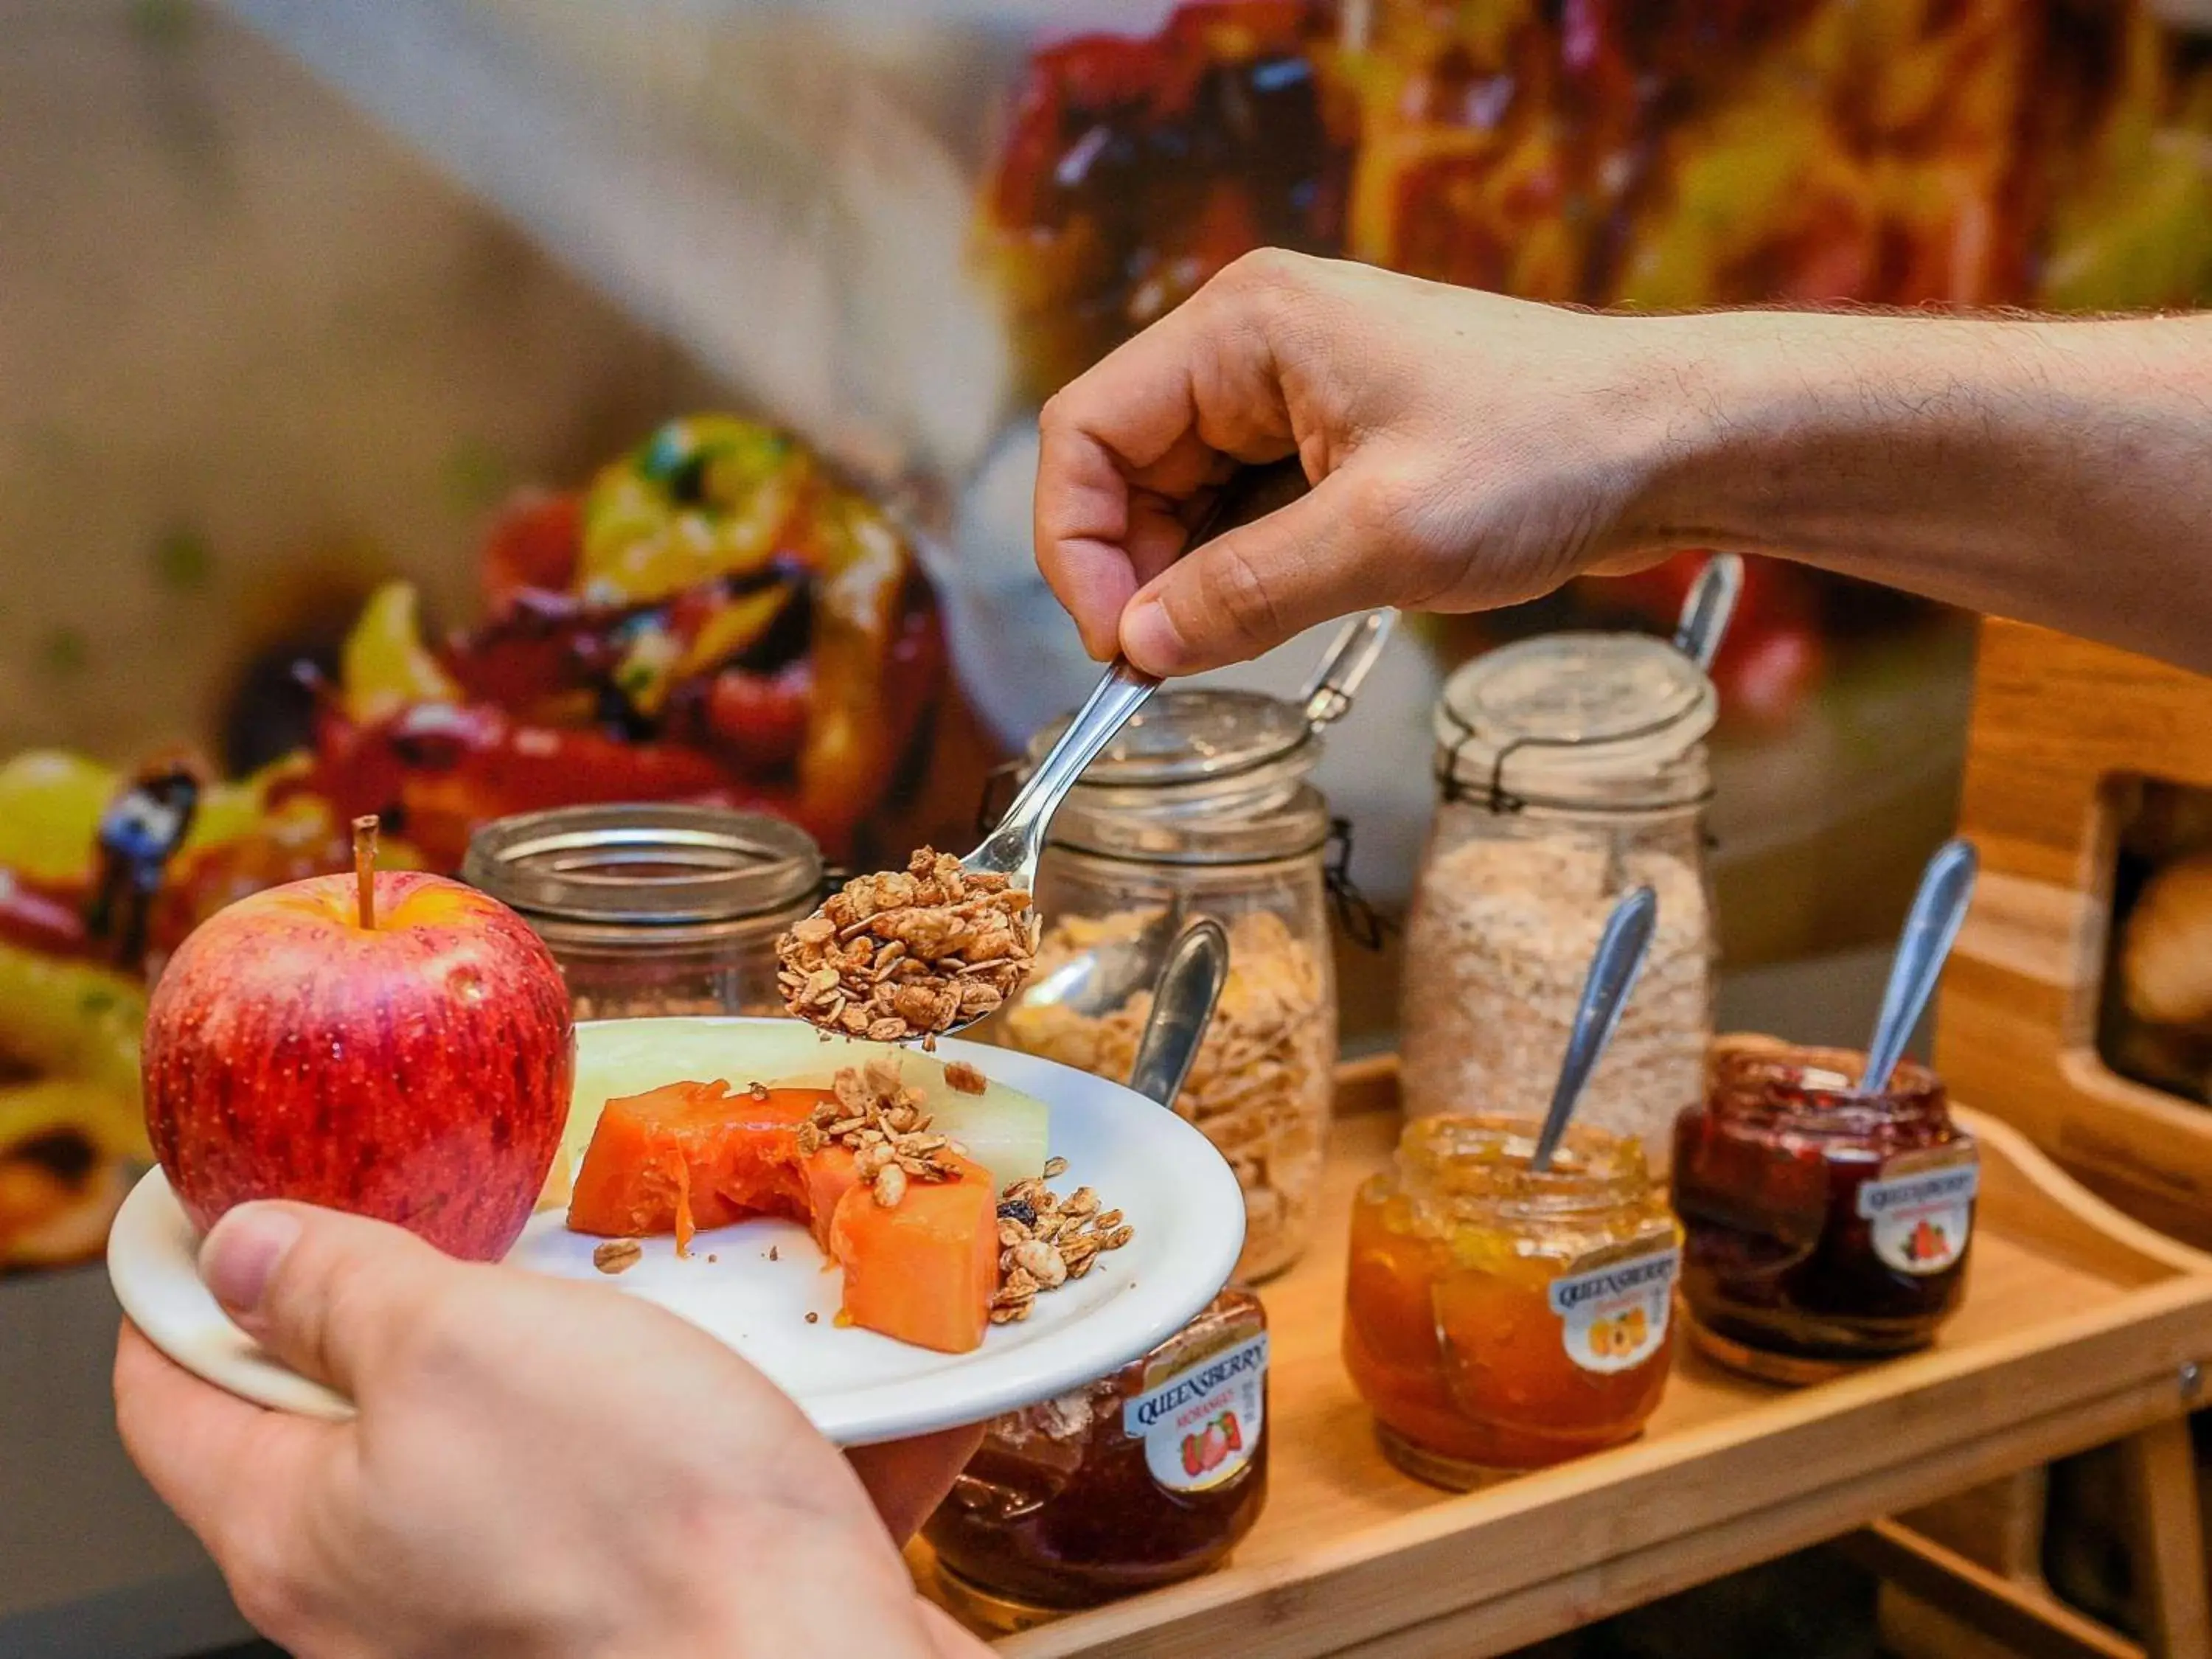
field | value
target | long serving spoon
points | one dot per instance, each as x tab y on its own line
1708	607
1938	908
1612	971
1103	978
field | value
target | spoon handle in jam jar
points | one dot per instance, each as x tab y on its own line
1613	974
1183	1008
1939	910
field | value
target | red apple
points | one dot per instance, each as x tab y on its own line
417	1069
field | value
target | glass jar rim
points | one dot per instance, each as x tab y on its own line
1199	776
1193	736
1812	1091
1482	1159
1577	718
645	866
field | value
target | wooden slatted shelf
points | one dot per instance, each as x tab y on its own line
2080	1326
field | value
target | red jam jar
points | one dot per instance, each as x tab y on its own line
1145	1477
1825	1225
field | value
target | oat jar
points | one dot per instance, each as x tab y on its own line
654	910
1570	768
1201	805
1497	1316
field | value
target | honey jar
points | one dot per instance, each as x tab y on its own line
1825	1225
1499	1317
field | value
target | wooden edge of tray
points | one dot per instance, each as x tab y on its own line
1511	1565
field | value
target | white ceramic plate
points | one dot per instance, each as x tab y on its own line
858	1388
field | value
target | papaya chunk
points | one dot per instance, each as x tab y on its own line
689	1156
692	1155
924	1269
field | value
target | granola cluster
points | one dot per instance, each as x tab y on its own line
1045	1240
909	953
884	1126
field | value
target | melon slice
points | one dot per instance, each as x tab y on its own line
1002	1128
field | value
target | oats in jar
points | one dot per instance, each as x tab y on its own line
1497	948
1261	1086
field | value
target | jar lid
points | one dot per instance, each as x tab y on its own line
1189	736
1571	713
645	864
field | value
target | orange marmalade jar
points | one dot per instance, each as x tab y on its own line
1500	1319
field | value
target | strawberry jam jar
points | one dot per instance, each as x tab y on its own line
1497	1318
1825	1225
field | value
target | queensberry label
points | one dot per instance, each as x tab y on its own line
1200	1426
1613	1317
1921	1212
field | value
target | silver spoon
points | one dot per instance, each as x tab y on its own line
1183	1008
1938	910
1613	969
1708	608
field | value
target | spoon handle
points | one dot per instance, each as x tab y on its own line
1013	846
1613	974
1182	1007
1707	611
1327	695
1938	910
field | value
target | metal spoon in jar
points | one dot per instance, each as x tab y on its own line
1707	609
1183	1008
1613	972
1938	908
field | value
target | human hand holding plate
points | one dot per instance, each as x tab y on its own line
532	1467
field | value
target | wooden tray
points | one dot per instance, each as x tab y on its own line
2079	1326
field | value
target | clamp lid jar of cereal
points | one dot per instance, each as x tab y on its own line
1202	805
654	910
1571	768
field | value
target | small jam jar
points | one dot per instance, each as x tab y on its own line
1825	1225
654	910
1141	1478
1497	1318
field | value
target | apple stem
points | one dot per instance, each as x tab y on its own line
364	867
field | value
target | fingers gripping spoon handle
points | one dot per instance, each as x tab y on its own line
1613	969
1012	849
1939	910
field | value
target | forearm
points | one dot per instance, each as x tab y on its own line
2058	473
